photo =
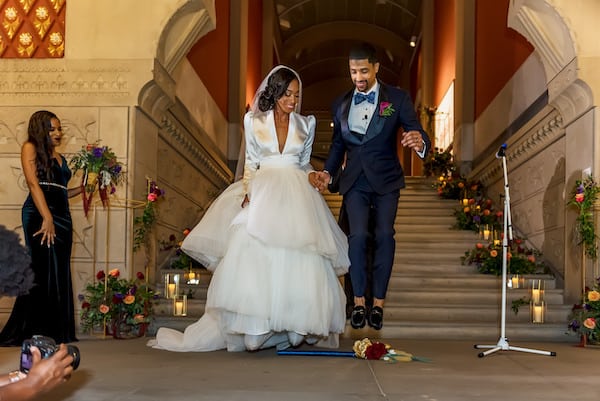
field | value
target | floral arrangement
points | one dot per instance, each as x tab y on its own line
583	197
101	171
111	299
180	259
585	317
439	163
475	213
520	258
386	109
375	350
143	224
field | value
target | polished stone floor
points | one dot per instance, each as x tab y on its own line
128	370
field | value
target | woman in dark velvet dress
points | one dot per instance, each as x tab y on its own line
48	309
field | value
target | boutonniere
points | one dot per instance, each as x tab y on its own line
386	109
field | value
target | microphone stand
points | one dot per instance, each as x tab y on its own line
503	344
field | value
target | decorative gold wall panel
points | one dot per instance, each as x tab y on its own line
32	28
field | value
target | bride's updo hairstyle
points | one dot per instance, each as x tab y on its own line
276	86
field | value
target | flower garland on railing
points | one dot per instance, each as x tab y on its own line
144	223
583	197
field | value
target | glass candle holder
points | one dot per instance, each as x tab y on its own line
172	284
537	291
180	305
538	312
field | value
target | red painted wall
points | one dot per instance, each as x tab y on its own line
210	57
499	51
253	65
444	48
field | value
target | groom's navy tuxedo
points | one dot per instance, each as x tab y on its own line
372	177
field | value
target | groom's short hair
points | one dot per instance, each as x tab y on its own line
363	51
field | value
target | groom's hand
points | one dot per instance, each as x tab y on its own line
319	180
413	140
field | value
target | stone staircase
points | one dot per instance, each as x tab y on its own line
431	294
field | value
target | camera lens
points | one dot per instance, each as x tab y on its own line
74	352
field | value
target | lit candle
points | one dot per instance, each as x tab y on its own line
515	281
535	295
465	202
538	314
171	293
486	234
178	308
192	276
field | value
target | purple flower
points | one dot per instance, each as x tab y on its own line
117	169
476	218
97	152
580	189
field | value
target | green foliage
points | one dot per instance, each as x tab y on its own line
520	259
439	163
517	303
110	297
583	197
585	317
143	224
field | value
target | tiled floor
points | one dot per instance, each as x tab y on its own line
128	370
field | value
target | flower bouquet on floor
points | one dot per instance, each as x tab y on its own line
101	172
117	306
585	317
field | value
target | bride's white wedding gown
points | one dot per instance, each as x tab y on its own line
275	261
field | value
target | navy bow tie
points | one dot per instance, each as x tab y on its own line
361	97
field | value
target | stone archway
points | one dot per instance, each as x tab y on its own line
170	145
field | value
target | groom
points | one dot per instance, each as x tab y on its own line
367	121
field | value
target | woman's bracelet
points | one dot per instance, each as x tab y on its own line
15	376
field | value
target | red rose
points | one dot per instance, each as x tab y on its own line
100	275
140	275
186	231
85	305
375	351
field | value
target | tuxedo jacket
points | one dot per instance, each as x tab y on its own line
376	153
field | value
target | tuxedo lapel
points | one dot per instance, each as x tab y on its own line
345	127
377	122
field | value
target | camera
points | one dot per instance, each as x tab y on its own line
47	347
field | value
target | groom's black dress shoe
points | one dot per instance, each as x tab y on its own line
376	318
358	317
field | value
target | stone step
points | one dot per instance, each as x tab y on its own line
479	333
484	296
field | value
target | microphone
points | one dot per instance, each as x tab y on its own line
501	152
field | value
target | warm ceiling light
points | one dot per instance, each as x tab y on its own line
413	41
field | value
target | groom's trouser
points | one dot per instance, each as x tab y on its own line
358	201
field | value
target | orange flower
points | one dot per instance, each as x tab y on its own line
466	210
138	318
493	253
461	185
103	309
579	197
129	299
590	323
594	296
531	258
114	273
508	255
486	212
479	245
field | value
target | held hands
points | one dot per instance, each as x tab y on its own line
46	374
413	140
47	231
319	180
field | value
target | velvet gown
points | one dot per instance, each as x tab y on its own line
48	309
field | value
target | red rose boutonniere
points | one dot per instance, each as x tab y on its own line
386	109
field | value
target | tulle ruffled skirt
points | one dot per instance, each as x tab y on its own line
275	266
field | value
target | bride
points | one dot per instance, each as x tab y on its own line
270	239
